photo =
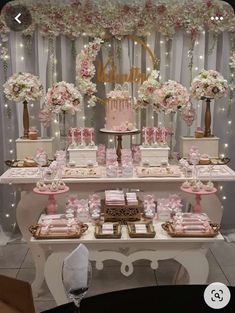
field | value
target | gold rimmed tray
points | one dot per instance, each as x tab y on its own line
149	228
218	161
167	226
215	161
20	163
36	232
116	232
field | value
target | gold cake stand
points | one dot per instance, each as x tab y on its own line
118	138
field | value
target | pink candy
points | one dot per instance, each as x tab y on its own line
101	154
78	134
188	115
152	135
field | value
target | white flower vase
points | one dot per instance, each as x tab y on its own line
65	122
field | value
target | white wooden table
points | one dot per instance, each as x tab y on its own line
189	252
30	206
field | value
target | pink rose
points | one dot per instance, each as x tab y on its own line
75	103
150	89
209	3
161	9
84	72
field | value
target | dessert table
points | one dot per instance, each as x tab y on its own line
31	205
189	252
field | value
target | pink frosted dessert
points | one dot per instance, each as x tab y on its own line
119	112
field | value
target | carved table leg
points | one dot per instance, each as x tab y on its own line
38	255
196	264
53	276
27	212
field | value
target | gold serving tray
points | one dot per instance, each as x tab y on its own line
20	163
132	231
116	232
36	232
215	161
167	226
218	161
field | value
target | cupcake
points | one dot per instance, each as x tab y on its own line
198	132
29	162
61	185
209	186
204	159
186	185
195	188
53	187
33	133
41	186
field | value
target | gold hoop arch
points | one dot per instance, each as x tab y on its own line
154	60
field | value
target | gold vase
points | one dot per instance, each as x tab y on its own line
26	120
207	131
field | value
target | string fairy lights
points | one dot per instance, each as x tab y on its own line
229	125
9	202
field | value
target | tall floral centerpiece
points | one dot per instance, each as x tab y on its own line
146	92
208	85
63	97
146	96
172	96
60	99
23	87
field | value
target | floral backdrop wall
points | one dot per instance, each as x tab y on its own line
177	38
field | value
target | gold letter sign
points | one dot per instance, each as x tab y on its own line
109	73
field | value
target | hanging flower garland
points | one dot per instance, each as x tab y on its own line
4	30
4	56
97	18
232	60
231	79
188	115
85	70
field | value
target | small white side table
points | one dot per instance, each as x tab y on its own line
208	145
27	147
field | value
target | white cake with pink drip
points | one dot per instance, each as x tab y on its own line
119	111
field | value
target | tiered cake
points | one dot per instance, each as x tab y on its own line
119	112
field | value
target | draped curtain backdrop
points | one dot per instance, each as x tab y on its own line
53	59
